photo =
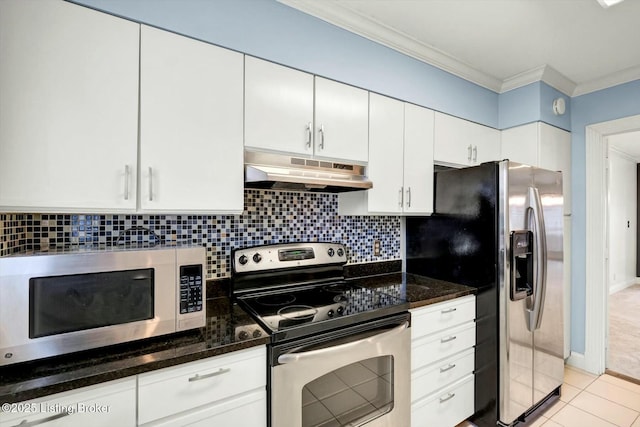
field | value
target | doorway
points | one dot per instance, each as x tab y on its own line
623	322
597	243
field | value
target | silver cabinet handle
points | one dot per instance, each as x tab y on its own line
469	152
126	182
409	197
447	368
321	137
448	310
449	397
475	153
309	131
24	423
150	184
447	339
400	198
198	377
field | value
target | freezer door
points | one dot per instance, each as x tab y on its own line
516	339
548	335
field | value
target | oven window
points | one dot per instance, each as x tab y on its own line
60	304
351	395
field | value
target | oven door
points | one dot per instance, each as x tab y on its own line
352	377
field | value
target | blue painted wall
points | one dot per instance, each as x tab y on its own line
609	104
273	31
532	103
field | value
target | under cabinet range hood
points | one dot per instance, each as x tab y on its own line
283	172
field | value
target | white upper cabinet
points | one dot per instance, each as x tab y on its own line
68	108
400	161
191	151
460	142
278	108
294	112
542	145
341	121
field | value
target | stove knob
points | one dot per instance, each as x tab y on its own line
330	252
243	259
340	310
340	252
243	335
257	333
330	313
257	258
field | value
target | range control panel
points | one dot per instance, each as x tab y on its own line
191	289
272	257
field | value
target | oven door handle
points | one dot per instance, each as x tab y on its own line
308	355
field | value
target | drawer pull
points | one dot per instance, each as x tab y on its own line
449	310
447	339
449	397
198	377
24	423
448	368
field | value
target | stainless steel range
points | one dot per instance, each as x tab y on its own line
339	353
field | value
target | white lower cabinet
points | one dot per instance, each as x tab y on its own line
219	389
442	363
102	405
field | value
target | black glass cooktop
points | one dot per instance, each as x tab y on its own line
301	311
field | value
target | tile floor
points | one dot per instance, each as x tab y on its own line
589	400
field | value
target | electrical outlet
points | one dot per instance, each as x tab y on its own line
376	247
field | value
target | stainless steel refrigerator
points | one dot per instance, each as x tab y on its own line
498	227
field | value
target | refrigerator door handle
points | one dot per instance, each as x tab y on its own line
540	251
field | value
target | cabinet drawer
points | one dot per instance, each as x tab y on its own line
173	390
102	405
246	410
433	318
446	408
427	350
428	379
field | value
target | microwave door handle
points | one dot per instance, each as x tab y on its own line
351	346
540	264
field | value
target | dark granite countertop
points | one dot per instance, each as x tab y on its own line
30	380
417	290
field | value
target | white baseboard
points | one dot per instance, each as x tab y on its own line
576	360
617	287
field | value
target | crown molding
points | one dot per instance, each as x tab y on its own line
615	79
335	13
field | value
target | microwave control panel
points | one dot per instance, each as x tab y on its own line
191	289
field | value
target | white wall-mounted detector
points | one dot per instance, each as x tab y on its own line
559	106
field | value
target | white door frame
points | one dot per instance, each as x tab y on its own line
597	252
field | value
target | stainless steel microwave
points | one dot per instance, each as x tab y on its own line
53	303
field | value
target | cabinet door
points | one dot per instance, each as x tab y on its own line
520	144
385	169
102	405
555	154
460	142
418	159
486	144
190	125
278	108
69	108
453	142
341	121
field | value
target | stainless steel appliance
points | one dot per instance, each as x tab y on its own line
282	172
59	302
339	353
498	227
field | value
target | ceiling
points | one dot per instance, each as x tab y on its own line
628	143
575	46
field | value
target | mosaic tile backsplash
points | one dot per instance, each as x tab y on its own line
269	217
